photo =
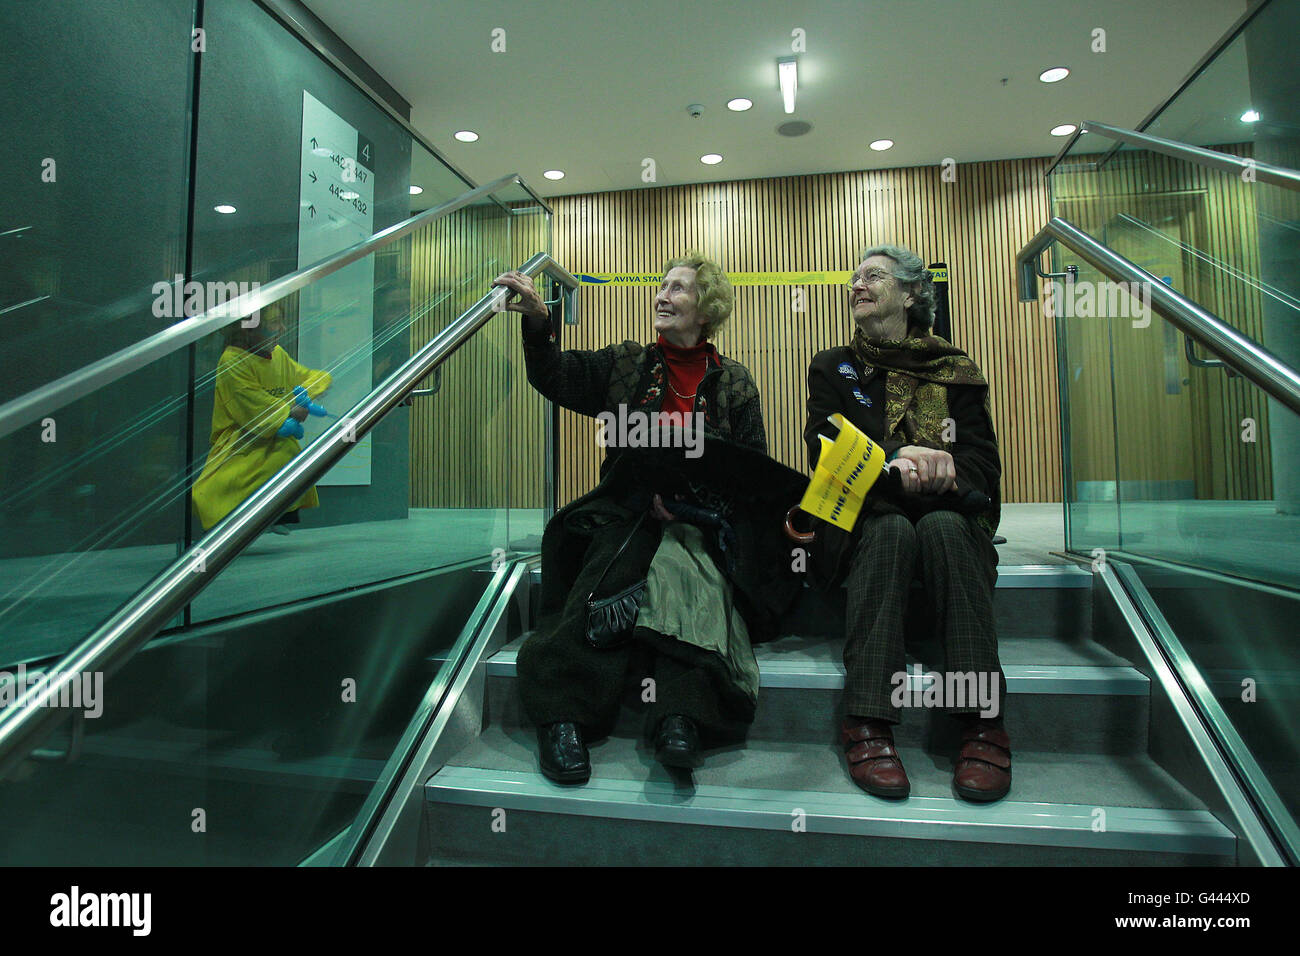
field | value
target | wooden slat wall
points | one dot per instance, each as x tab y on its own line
479	444
976	224
471	443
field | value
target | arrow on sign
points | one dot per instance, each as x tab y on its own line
313	177
313	142
312	209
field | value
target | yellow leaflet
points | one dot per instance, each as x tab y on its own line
845	472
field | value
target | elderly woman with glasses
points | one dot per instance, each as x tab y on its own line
926	403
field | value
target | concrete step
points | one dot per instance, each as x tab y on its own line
1073	707
741	808
1038	601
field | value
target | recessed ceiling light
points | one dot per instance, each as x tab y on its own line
1054	75
554	174
467	136
1250	116
416	190
225	209
1065	129
882	144
711	159
739	104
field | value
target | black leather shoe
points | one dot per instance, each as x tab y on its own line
678	742
563	755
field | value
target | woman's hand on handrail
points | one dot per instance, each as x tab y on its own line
525	298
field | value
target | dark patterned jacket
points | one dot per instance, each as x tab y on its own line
636	376
838	382
574	551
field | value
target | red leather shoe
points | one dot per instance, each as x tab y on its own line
873	761
983	771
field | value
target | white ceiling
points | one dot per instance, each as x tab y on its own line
594	88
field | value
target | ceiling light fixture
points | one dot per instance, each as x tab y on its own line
1054	75
739	104
554	174
787	71
467	136
225	209
881	145
1065	129
1250	116
711	159
416	190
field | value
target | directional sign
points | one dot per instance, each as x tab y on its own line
336	314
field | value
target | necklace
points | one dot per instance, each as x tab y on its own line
684	398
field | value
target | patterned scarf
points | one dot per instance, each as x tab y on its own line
916	400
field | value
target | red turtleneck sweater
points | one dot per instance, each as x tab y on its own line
686	368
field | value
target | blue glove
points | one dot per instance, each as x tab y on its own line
292	428
302	398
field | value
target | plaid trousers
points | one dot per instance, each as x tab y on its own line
958	568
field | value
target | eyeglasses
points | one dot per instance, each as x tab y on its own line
874	277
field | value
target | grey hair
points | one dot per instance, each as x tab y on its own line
911	272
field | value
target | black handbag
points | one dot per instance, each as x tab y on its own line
610	620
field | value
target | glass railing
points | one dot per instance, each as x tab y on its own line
1171	466
251	729
1174	465
277	708
96	503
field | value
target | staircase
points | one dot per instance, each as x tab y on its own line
1085	790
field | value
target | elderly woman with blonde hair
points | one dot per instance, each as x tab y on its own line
682	638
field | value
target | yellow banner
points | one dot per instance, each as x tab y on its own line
845	472
736	278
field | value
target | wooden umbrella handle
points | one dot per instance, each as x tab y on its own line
802	538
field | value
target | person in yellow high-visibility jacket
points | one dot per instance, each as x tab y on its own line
251	414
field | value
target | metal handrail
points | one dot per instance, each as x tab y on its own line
1243	354
1261	172
110	645
41	401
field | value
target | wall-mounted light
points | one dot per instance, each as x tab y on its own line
787	72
